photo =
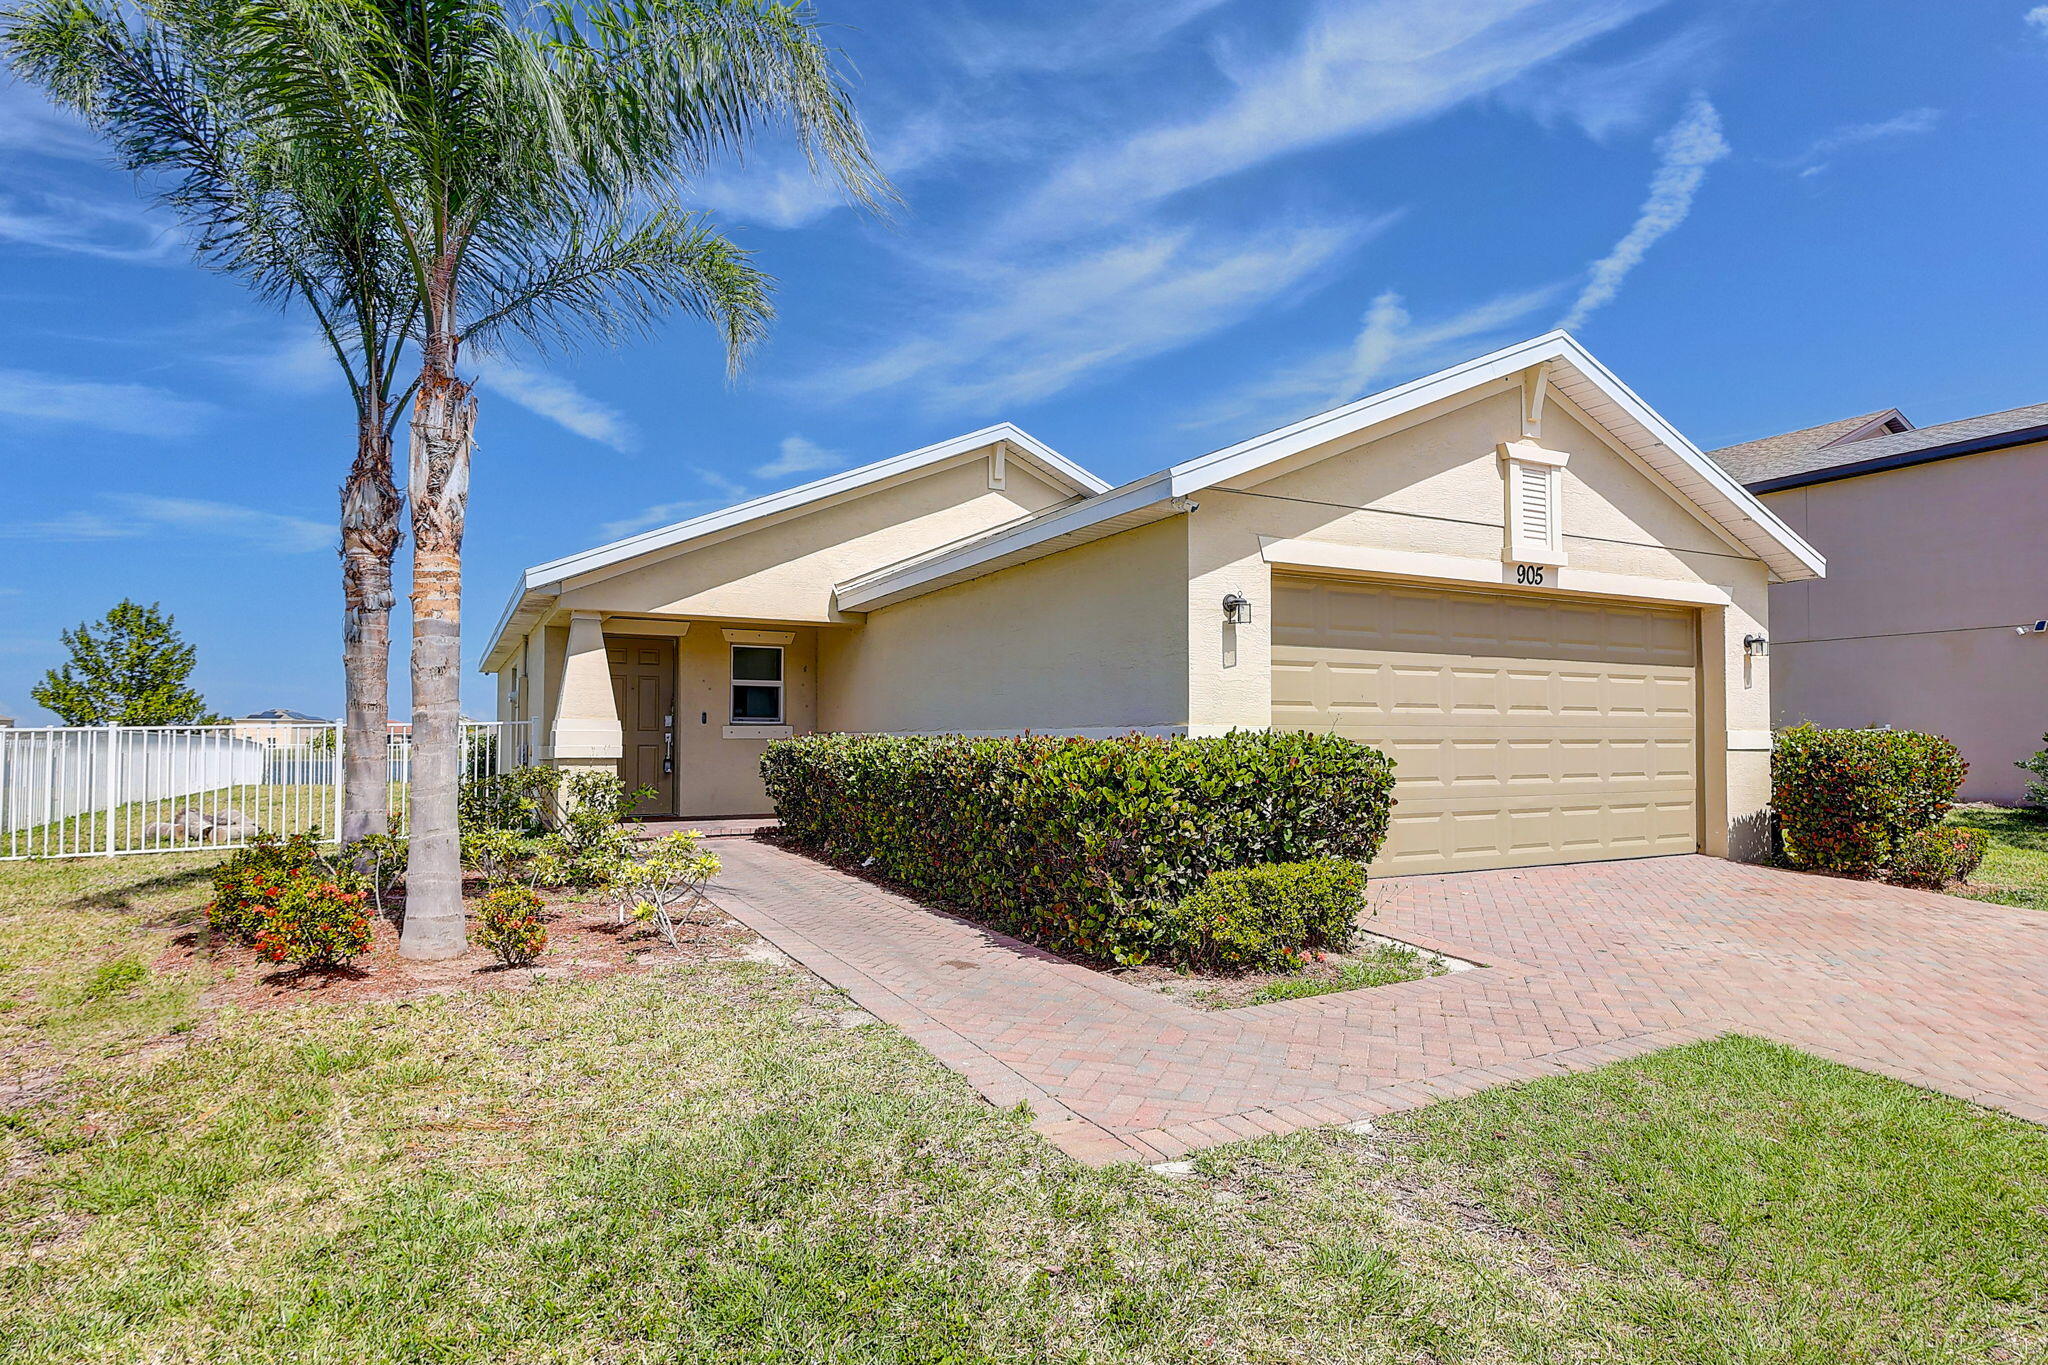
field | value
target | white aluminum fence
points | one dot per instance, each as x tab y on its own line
68	792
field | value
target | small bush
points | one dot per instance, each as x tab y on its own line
314	923
521	800
375	863
1076	843
1936	857
1266	918
508	924
1845	798
246	887
668	873
2037	790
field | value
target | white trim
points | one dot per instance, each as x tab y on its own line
1532	480
544	580
780	682
757	730
1470	569
1749	741
758	637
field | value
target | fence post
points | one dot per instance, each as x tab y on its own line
338	775
113	783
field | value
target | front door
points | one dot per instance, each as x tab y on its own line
644	689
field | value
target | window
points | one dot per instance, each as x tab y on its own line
757	684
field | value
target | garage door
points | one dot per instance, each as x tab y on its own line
1524	730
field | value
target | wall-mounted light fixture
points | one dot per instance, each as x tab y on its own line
1237	610
1756	646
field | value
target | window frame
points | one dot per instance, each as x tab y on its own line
734	682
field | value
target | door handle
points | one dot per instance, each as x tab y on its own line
668	745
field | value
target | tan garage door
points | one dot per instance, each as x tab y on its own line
1523	730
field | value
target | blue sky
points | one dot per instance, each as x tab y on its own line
1139	231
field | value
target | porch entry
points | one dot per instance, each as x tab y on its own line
644	690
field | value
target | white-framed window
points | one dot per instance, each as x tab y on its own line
757	685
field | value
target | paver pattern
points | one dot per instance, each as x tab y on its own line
1583	964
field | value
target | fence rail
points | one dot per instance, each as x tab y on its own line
78	791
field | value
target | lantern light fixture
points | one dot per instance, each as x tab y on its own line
1756	646
1237	610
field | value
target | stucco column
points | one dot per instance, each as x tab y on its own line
586	731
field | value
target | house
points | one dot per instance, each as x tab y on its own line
1930	617
1513	576
277	726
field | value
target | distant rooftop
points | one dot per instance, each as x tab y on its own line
285	713
1870	442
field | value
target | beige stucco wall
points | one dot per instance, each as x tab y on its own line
1434	488
784	570
1088	640
717	774
1929	569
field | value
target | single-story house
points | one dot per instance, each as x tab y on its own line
1513	576
279	725
1932	614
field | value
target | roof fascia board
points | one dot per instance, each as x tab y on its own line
1634	460
1976	445
905	581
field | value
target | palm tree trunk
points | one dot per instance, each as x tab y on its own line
369	539
443	430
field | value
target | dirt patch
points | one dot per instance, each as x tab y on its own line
584	941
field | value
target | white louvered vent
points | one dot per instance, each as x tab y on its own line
1534	479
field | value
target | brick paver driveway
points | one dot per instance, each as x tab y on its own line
1582	964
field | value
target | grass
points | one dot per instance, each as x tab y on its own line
702	1164
1379	965
2015	870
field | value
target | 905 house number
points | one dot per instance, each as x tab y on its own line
1529	575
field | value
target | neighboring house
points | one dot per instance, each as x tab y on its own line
1513	576
1938	572
277	726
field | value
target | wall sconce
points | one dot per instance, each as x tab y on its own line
1756	646
1237	611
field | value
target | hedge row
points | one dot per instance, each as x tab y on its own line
1082	845
1848	800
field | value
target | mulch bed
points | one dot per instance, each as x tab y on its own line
584	942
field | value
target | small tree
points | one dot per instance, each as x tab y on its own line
2037	790
129	668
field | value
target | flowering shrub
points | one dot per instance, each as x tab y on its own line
667	874
1845	798
314	923
1936	857
247	886
1266	918
508	923
1079	843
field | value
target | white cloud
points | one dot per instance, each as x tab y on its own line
798	455
2037	19
778	188
138	515
1607	98
1693	144
1814	159
110	230
1357	69
1115	32
661	514
1388	347
128	409
30	123
559	401
298	361
1041	327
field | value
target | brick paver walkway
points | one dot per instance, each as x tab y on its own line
1583	964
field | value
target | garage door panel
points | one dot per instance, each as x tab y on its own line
1523	730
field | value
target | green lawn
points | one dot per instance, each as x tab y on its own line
2015	870
703	1164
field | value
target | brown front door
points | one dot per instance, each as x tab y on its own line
644	689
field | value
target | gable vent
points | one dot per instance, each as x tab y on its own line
1533	480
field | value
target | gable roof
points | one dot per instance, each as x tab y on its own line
1881	450
283	713
1573	372
1018	444
1770	456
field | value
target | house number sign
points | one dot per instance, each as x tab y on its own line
1529	575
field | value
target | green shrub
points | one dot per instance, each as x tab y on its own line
520	799
1845	798
374	863
247	885
2037	790
1266	918
1078	843
1936	857
508	924
314	923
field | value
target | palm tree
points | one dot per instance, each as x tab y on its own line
162	86
530	172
